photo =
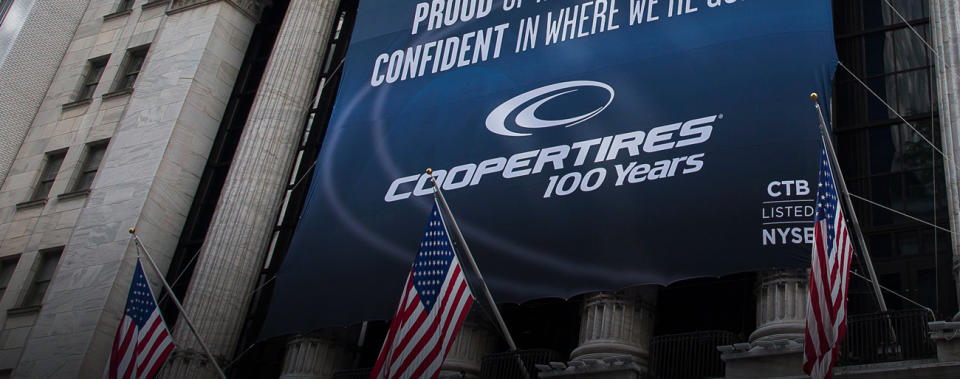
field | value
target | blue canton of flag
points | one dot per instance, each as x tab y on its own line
829	275
827	200
432	262
140	304
434	303
142	342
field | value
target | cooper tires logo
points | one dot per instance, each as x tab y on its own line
526	117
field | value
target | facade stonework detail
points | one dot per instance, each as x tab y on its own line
159	134
31	52
252	8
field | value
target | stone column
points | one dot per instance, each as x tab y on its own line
781	306
944	19
310	357
776	346
474	341
233	252
615	333
617	324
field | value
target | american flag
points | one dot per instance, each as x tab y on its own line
434	303
142	342
829	275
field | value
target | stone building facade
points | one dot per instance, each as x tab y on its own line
118	113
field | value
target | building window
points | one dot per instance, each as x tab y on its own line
124	5
91	77
886	161
48	175
89	166
45	267
4	8
7	265
130	68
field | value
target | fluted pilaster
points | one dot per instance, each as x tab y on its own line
617	324
474	341
945	23
233	252
781	305
313	358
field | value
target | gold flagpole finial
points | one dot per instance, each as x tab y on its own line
132	230
814	96
429	171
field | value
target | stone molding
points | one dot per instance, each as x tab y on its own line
611	367
250	8
947	337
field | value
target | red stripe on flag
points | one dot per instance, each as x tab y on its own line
426	332
435	351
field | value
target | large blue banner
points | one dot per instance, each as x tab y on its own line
582	145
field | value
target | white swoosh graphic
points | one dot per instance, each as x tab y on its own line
496	121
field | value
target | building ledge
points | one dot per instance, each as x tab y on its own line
154	4
117	93
31	204
23	310
73	194
759	349
116	15
625	366
924	368
74	104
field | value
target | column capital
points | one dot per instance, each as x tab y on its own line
781	305
474	341
617	324
313	357
178	362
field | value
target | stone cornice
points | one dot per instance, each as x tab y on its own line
251	8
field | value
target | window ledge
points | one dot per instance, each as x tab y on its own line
73	194
31	204
117	93
23	310
154	3
74	104
117	15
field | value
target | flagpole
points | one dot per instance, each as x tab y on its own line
176	302
476	271
828	142
472	263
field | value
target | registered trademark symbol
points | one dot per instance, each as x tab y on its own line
720	116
